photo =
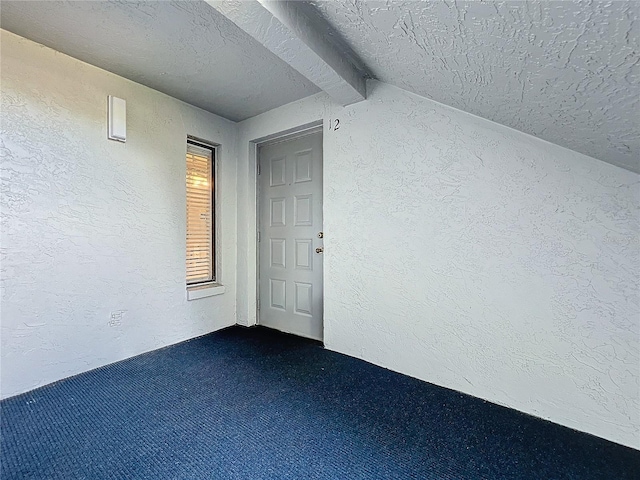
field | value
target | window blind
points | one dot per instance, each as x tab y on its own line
200	223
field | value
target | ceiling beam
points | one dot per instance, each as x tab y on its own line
283	29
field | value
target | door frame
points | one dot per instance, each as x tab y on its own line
290	134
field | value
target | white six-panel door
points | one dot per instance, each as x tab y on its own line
290	236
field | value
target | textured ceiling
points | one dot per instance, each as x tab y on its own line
184	49
567	72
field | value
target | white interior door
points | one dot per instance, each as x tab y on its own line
290	236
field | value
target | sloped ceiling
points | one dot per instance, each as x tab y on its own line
567	72
185	49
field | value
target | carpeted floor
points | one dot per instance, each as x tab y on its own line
256	404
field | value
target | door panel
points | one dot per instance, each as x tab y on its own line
290	219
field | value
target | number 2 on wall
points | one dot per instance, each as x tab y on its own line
334	124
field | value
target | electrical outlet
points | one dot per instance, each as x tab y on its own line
116	318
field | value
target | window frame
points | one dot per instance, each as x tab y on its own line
214	279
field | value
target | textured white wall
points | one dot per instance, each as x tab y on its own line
91	226
473	256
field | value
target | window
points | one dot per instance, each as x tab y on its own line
200	213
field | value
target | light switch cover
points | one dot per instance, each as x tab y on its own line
117	119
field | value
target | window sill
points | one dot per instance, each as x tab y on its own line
195	292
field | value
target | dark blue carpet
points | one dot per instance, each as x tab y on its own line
255	404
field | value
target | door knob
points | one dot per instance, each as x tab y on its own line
319	250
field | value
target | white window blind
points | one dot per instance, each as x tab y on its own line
200	222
